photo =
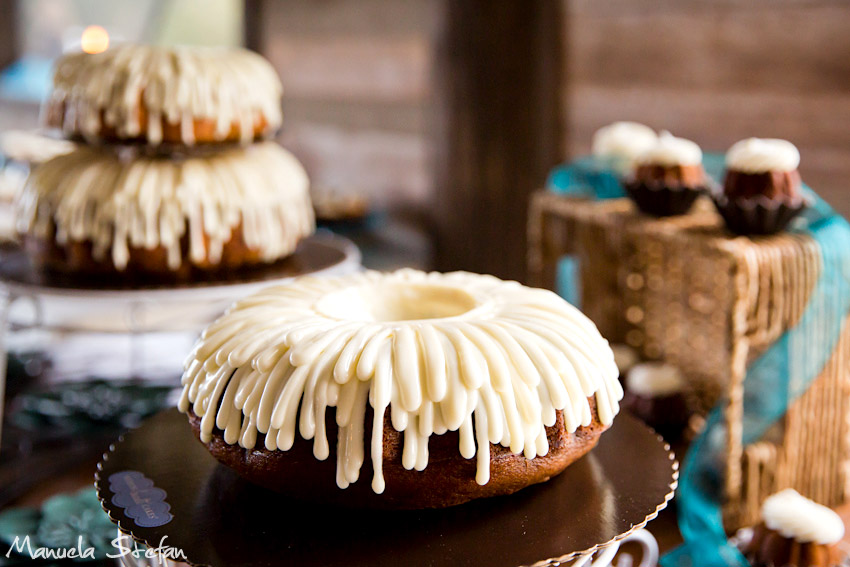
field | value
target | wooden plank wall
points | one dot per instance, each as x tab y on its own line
498	135
357	81
716	71
8	33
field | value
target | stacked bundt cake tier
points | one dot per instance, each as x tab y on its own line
96	212
442	387
151	94
175	183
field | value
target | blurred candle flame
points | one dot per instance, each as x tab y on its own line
95	39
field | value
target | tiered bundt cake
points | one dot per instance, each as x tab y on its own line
441	387
178	198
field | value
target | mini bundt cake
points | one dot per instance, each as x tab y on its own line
762	167
441	387
762	190
95	211
153	94
655	392
668	177
671	161
622	143
796	532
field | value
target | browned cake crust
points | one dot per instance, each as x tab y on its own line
76	258
204	130
676	175
778	185
448	480
769	548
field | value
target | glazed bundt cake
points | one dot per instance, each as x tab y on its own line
440	387
671	161
154	94
97	211
796	532
762	167
621	143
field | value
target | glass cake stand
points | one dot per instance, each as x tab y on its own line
177	498
114	331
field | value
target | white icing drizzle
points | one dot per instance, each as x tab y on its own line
761	155
623	140
654	379
670	151
179	84
796	517
31	147
117	204
462	352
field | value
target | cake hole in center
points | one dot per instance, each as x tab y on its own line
396	302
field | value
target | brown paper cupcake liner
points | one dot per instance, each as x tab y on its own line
661	200
759	216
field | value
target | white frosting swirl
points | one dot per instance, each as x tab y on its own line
462	352
94	195
761	155
654	379
178	84
670	151
796	517
623	140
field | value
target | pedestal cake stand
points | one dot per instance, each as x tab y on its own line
163	489
33	299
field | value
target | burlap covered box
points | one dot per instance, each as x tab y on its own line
683	290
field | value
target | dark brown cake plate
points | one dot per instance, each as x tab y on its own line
159	482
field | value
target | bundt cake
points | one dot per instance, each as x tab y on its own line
441	387
98	211
671	161
668	177
154	94
796	532
621	143
758	167
762	190
655	393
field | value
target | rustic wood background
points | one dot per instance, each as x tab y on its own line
716	71
385	97
368	105
357	79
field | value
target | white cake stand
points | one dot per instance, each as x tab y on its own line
170	315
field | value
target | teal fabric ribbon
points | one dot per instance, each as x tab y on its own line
587	177
777	378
